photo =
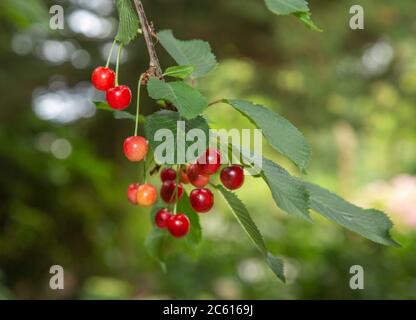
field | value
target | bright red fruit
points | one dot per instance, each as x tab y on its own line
119	97
135	148
103	78
184	177
161	217
197	178
178	225
146	195
168	174
201	200
168	191
132	193
232	177
210	162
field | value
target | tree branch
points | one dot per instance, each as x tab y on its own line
154	65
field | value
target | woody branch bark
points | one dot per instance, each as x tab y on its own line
154	65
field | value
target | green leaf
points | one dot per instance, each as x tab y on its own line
247	223
289	193
168	120
196	53
276	265
296	196
157	239
184	206
117	113
181	72
305	17
286	7
25	14
279	132
189	101
297	8
155	243
128	21
370	223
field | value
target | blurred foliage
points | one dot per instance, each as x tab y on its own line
62	185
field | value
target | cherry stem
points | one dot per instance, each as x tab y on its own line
178	168
120	48
217	101
139	85
147	34
110	53
145	170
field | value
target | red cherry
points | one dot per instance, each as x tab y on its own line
232	177
168	174
146	195
197	179
119	97
184	177
161	217
178	225
201	200
210	162
168	191
103	78
135	148
132	193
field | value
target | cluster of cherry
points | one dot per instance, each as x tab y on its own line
104	79
197	174
171	191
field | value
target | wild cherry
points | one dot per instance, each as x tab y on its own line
161	217
168	191
197	178
184	176
178	225
146	195
209	162
119	97
135	148
103	78
132	193
232	177
168	174
201	200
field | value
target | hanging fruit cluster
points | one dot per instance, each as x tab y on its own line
201	198
183	102
197	174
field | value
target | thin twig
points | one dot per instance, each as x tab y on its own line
155	169
154	65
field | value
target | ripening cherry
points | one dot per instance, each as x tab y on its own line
197	178
178	225
119	97
184	176
161	217
132	193
202	200
232	177
168	174
103	78
168	191
135	148
146	195
210	162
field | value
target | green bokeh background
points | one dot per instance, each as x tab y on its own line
351	92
